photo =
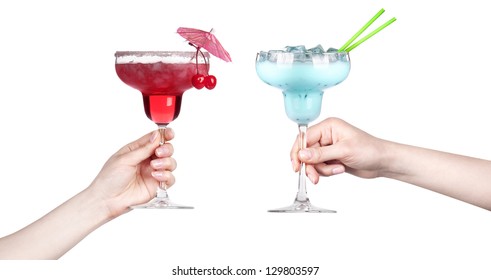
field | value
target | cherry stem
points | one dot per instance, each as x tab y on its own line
198	50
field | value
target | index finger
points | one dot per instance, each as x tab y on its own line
319	134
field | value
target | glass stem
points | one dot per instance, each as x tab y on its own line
162	190
302	176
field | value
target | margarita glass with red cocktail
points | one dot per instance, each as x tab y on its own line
162	77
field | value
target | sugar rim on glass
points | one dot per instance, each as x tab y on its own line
159	56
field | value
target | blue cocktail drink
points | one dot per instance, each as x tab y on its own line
302	75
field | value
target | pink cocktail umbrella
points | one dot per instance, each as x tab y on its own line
206	40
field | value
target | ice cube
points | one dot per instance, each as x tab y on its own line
295	49
272	55
332	50
317	49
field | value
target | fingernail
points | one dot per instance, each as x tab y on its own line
154	136
305	154
158	174
162	150
294	165
311	178
337	170
157	163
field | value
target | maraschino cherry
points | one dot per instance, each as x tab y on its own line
210	82
199	80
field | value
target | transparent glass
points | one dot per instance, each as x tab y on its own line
302	77
162	77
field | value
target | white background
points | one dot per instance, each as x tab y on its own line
424	80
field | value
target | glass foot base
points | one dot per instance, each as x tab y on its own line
301	207
160	203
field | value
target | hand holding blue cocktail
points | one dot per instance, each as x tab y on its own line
303	75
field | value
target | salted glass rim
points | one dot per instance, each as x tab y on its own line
156	56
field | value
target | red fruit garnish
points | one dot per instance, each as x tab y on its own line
198	81
210	82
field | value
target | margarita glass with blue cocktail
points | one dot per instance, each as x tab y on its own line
302	75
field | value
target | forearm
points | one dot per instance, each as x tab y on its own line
58	231
461	177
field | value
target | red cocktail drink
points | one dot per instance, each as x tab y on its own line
162	83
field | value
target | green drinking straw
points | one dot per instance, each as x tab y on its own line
350	48
361	30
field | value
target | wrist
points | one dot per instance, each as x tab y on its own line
400	160
98	206
389	160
